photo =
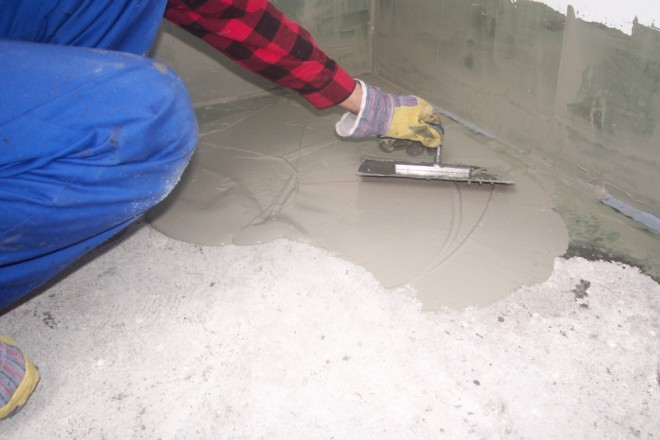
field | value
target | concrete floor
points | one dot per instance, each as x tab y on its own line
272	167
151	337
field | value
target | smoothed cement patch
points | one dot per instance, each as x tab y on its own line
270	167
157	338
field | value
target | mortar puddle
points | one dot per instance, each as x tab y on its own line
456	245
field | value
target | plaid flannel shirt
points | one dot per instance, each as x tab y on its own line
260	38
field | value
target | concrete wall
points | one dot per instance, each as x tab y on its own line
585	96
612	13
582	95
341	27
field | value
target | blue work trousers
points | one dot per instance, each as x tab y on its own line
92	132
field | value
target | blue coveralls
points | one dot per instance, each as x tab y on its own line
92	133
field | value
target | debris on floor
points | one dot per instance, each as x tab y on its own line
155	338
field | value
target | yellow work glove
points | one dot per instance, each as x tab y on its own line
398	117
414	119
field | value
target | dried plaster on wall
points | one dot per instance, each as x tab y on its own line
584	96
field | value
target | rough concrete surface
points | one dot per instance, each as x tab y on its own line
156	338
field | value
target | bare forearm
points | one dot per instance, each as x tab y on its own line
354	101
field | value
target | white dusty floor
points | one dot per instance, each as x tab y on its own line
156	338
150	337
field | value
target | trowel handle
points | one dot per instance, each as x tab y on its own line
437	160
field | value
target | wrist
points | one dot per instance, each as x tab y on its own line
354	101
373	117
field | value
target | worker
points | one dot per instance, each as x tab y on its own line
93	133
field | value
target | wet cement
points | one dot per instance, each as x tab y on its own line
272	167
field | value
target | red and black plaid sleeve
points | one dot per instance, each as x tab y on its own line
260	38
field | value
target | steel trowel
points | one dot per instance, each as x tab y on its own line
428	171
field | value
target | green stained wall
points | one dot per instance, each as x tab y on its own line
579	94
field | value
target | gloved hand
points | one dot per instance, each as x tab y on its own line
399	117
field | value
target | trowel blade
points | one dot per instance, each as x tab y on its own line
429	171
